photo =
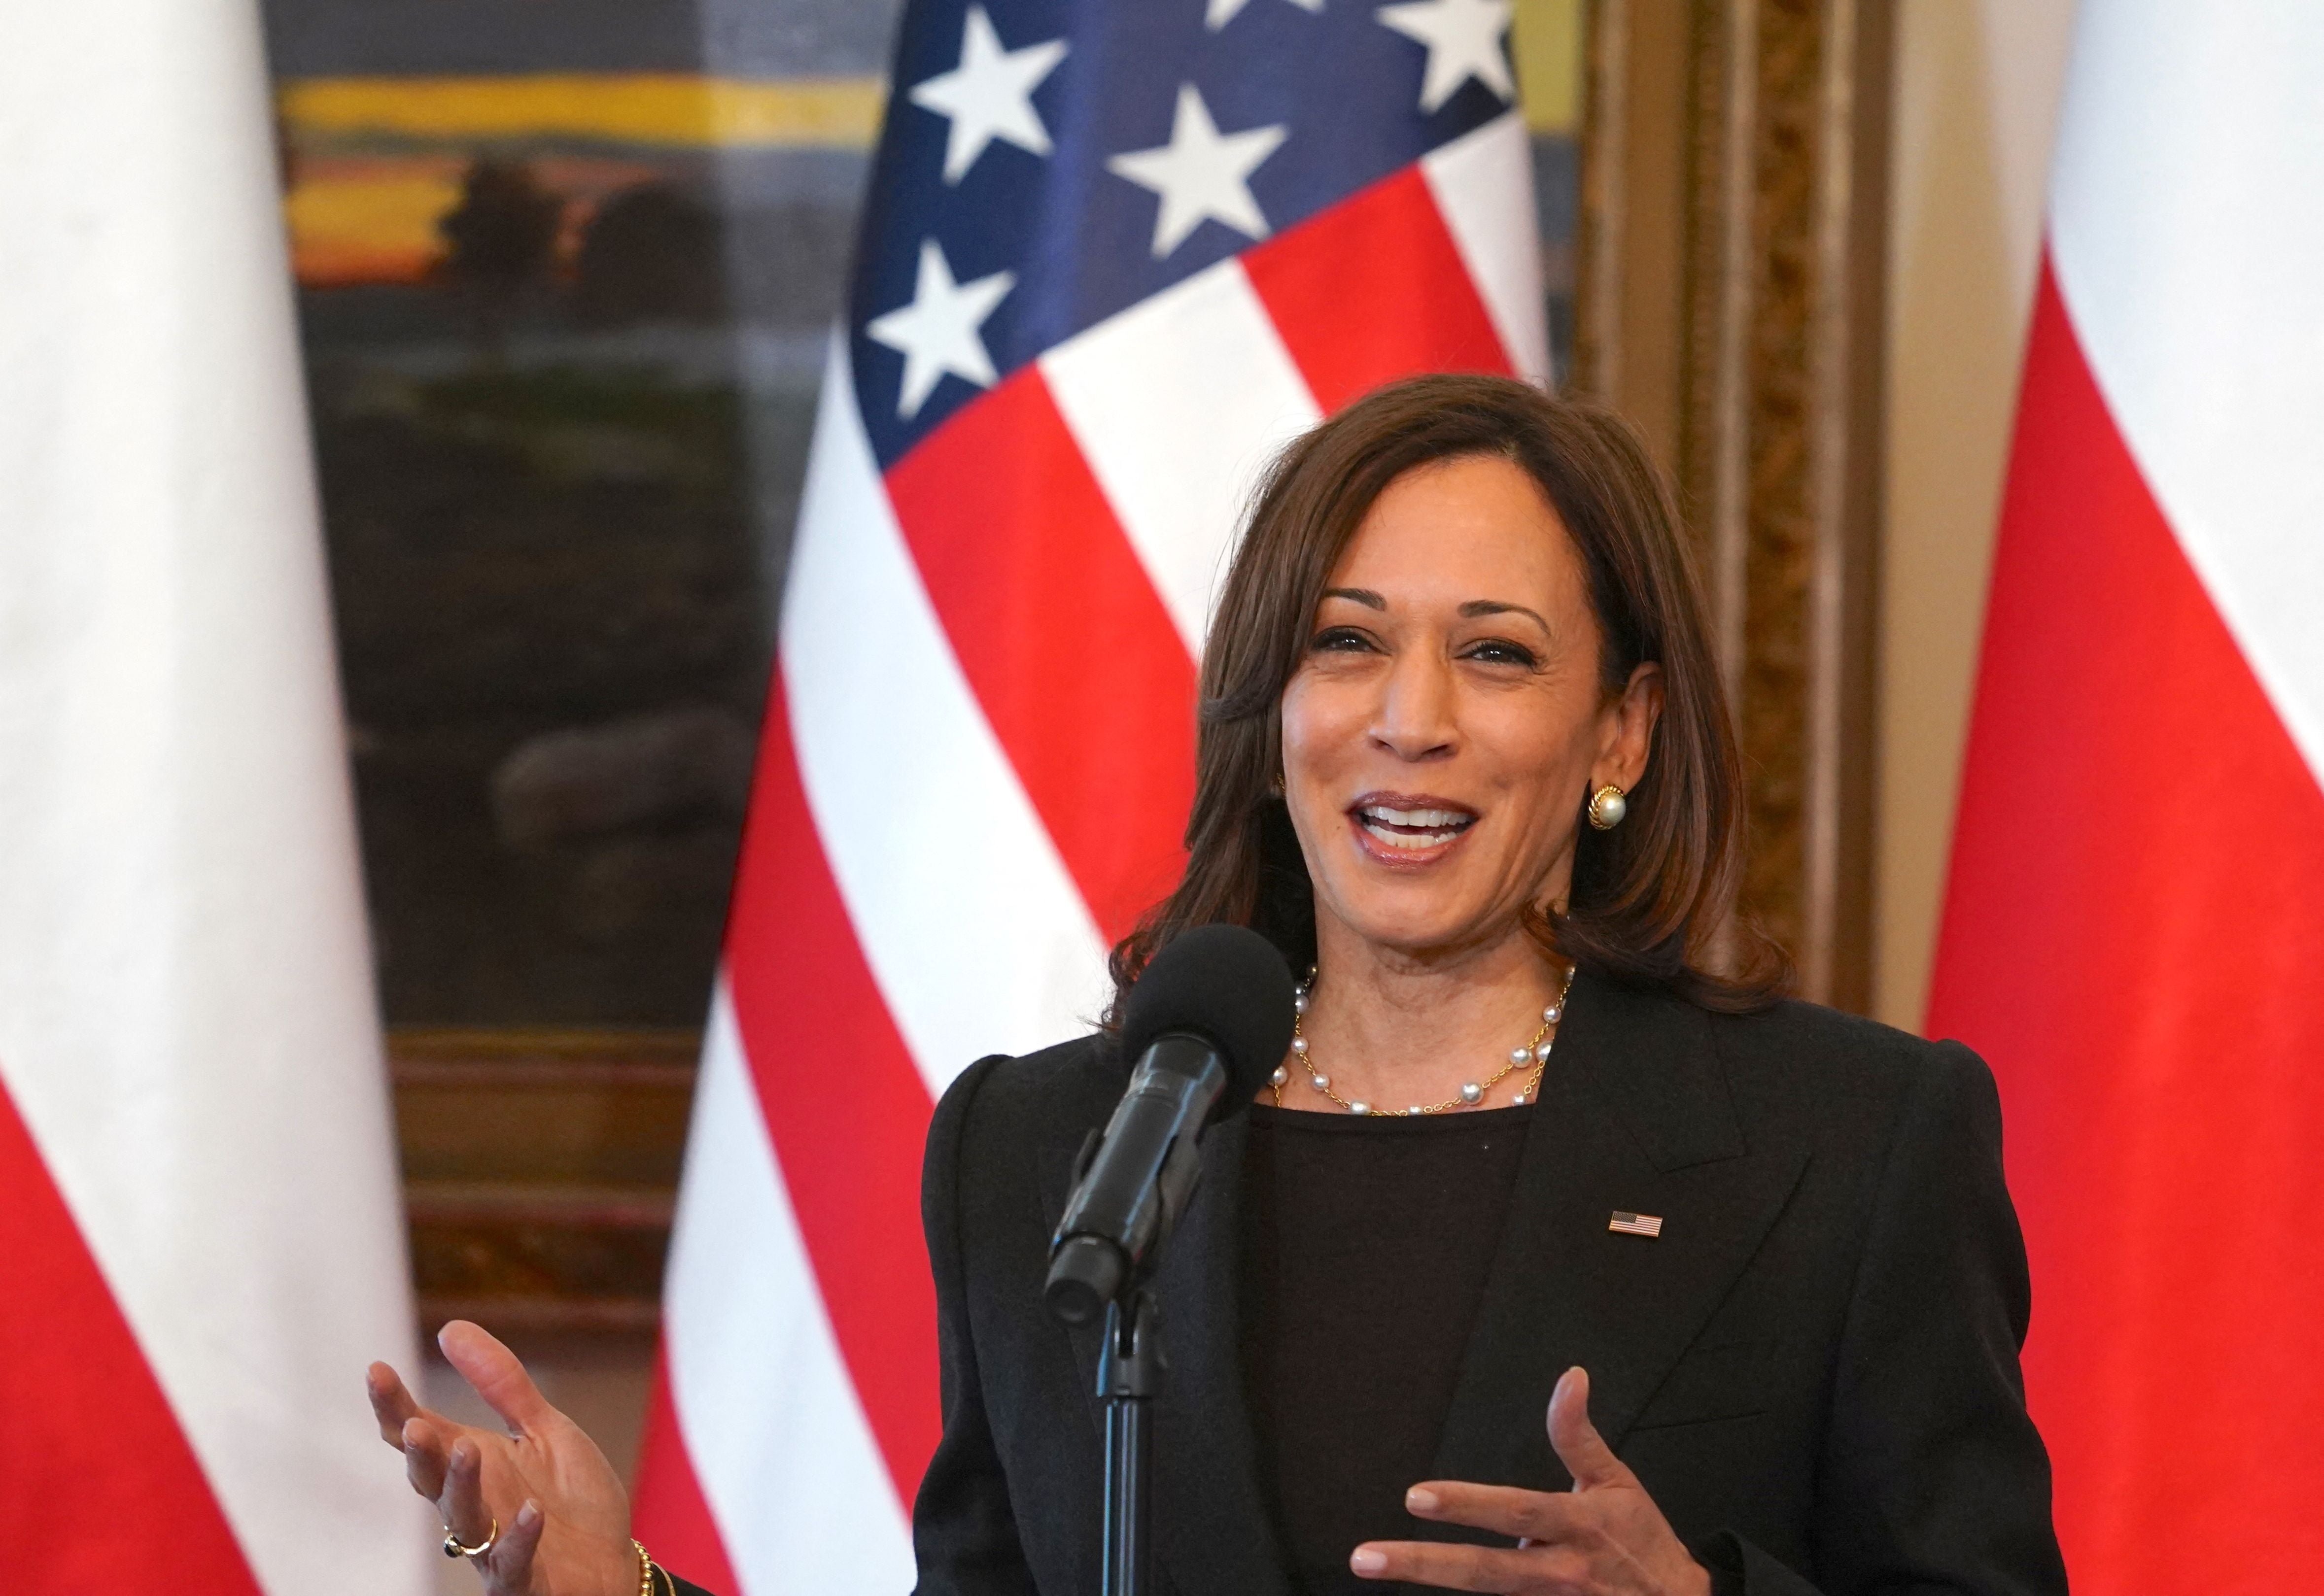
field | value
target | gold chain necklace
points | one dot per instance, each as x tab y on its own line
1472	1093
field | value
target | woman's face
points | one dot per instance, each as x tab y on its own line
1446	724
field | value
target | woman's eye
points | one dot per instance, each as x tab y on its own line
1501	651
1340	639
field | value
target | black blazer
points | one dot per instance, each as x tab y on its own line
1813	1369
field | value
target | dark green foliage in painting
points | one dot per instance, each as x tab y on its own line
500	242
651	252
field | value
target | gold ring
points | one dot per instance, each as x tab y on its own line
453	1549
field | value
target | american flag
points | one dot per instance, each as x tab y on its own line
1116	253
1635	1225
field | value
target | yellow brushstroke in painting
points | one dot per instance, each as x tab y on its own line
369	221
1545	38
634	108
372	216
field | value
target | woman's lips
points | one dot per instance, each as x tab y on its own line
1398	830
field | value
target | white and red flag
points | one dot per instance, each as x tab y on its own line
1114	256
199	1242
2133	932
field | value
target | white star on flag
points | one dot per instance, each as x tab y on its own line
1464	41
1223	12
990	95
1201	173
938	332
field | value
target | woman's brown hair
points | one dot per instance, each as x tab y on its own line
1649	896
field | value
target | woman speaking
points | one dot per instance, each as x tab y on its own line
1557	1256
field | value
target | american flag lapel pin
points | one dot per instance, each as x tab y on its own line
1635	1225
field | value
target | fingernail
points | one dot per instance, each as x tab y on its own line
1364	1560
527	1515
462	1451
1421	1499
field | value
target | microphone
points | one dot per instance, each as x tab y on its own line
1207	1022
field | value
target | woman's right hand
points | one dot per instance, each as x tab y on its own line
564	1518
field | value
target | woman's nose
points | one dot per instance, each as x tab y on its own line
1414	718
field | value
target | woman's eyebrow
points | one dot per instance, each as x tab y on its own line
1476	607
1359	595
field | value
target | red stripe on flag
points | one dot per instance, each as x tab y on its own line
847	1111
671	1515
1374	289
99	1489
2132	934
1062	637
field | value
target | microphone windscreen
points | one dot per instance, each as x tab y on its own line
1226	982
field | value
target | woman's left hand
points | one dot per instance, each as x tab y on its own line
1606	1537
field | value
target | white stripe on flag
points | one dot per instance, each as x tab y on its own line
2189	243
1474	178
764	1400
975	933
1177	404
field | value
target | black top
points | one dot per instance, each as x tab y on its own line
1364	1250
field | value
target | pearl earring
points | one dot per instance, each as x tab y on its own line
1606	807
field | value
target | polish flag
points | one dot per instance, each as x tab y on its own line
198	1200
2134	933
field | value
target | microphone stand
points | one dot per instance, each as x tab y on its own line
1214	995
1129	1378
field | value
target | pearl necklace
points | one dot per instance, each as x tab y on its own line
1472	1093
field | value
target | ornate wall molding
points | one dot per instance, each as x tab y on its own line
541	1170
1733	153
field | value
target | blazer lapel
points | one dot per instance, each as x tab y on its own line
1214	1531
1634	1117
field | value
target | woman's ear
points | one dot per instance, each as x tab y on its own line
1629	735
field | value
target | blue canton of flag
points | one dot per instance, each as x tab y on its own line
1051	163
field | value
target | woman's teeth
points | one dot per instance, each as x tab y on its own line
1413	828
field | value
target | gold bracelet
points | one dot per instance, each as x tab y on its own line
645	1568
